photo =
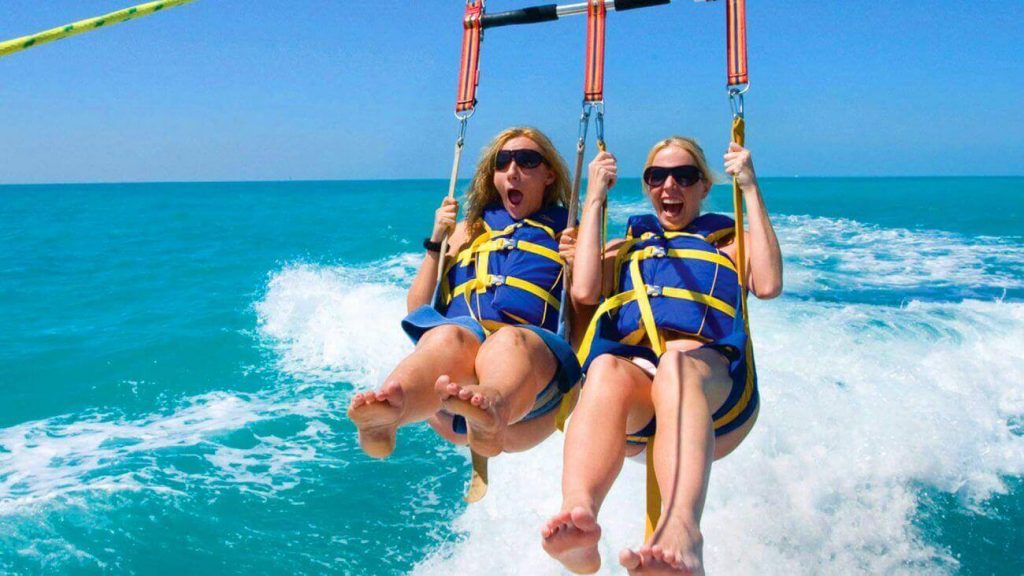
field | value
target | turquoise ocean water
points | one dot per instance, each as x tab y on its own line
175	360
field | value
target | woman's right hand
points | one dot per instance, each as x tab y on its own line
601	176
567	245
444	219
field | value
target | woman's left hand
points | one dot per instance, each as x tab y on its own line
739	165
567	245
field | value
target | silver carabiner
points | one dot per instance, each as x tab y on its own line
463	120
599	122
584	123
736	99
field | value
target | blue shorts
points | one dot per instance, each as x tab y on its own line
567	373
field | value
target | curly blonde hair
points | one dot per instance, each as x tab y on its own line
482	192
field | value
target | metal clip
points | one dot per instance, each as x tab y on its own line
584	123
497	280
508	244
653	290
463	120
736	99
656	251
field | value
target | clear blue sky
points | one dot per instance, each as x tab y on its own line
346	89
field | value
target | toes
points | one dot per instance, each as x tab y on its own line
629	559
555	524
465	394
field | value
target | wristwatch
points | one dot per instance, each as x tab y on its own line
431	246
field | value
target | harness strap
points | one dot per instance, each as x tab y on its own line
469	73
736	41
593	86
484	281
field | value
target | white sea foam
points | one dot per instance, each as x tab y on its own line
839	252
58	457
862	405
337	324
327	324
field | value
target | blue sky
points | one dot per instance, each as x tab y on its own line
345	90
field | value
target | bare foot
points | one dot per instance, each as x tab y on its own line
679	550
376	415
482	409
571	538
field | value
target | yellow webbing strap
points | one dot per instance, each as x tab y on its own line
8	47
691	255
646	312
653	492
700	298
609	304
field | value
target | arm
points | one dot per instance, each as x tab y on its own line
764	258
587	273
423	285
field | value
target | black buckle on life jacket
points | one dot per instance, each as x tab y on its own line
653	290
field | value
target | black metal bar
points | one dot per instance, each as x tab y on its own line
621	5
529	15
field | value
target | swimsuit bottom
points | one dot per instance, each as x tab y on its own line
739	406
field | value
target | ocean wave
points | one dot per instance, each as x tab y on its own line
862	405
51	459
838	259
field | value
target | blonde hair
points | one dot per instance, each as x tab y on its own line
691	146
482	192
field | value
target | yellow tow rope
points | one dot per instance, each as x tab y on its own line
18	44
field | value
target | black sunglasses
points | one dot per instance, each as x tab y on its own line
525	158
686	175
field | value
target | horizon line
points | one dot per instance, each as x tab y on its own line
422	179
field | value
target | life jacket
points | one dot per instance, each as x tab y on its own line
510	274
669	280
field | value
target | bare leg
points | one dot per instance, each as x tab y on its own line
615	399
686	389
512	366
407	394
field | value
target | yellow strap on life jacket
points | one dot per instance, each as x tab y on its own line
642	292
479	252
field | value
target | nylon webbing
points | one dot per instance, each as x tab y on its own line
23	43
593	86
469	73
736	41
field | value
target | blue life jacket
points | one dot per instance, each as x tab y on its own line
510	274
670	280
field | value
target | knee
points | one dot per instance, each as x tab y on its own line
506	338
447	336
679	372
608	378
508	344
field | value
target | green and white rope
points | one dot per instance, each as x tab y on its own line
18	44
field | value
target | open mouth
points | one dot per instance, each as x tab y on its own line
672	208
515	197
